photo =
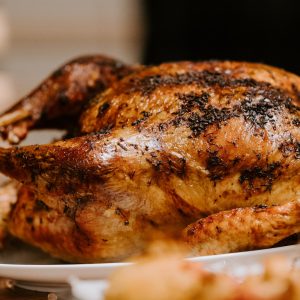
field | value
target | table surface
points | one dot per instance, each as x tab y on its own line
15	293
20	294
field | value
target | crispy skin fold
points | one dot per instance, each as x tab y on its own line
243	229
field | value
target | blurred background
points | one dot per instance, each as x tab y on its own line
36	36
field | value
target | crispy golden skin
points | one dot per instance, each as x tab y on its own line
243	229
158	149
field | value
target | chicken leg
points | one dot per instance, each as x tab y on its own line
243	229
62	94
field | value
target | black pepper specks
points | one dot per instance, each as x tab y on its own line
259	113
145	114
29	220
198	123
63	98
146	85
260	207
162	127
154	161
217	168
102	109
259	178
41	206
191	100
124	215
290	147
297	150
296	122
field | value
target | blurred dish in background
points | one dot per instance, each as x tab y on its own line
7	90
49	32
4	30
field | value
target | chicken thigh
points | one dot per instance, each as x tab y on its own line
207	152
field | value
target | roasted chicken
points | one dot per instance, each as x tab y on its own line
206	152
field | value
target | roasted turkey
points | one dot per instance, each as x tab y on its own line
205	152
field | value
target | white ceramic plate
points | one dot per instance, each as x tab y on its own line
25	264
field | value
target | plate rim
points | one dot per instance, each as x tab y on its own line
119	264
60	273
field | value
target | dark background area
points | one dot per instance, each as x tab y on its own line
262	31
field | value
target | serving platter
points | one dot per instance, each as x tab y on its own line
25	264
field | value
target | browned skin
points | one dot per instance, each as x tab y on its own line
62	95
243	229
8	197
158	150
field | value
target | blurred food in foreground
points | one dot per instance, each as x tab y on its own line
164	275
